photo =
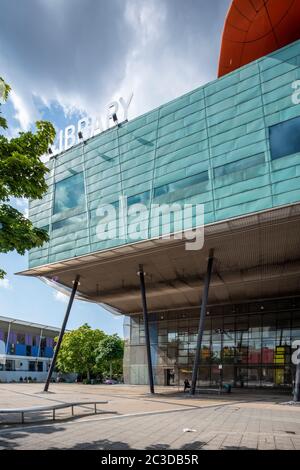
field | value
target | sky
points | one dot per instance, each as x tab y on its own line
65	59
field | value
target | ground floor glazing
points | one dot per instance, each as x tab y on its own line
245	345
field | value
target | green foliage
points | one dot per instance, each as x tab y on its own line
90	352
78	351
110	353
22	175
17	232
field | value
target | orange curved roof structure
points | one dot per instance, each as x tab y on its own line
254	28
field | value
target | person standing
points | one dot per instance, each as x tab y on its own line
187	385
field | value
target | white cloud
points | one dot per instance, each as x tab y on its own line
5	284
83	54
60	297
163	64
21	204
25	114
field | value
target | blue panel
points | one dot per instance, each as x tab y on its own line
48	352
285	138
20	349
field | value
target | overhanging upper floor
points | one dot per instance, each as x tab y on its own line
256	257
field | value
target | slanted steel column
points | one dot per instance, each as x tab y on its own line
141	275
297	384
61	334
202	320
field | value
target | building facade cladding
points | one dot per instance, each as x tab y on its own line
25	350
252	341
219	145
232	145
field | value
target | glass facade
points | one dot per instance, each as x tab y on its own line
220	145
285	138
253	342
27	343
69	193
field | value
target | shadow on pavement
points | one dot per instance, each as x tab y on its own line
7	440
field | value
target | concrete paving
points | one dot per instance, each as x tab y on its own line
133	419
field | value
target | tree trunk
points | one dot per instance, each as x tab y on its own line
110	370
88	375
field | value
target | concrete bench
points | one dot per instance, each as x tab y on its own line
53	407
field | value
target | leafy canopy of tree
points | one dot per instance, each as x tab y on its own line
90	352
110	353
22	175
78	351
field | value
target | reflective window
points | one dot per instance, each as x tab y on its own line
285	138
162	339
254	352
239	165
46	228
181	184
216	352
172	353
205	353
254	348
253	377
93	213
172	337
75	220
267	351
142	198
228	351
69	193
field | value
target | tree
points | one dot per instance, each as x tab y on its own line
22	175
110	352
78	351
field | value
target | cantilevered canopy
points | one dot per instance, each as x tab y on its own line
256	256
254	28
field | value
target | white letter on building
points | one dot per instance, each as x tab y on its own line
112	108
84	126
69	137
125	105
96	126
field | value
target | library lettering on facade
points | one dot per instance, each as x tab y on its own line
232	145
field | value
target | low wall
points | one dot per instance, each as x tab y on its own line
14	376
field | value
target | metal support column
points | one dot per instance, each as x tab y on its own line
297	384
61	334
146	326
202	320
7	339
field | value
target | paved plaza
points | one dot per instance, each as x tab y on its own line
133	419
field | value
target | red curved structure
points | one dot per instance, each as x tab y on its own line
254	28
